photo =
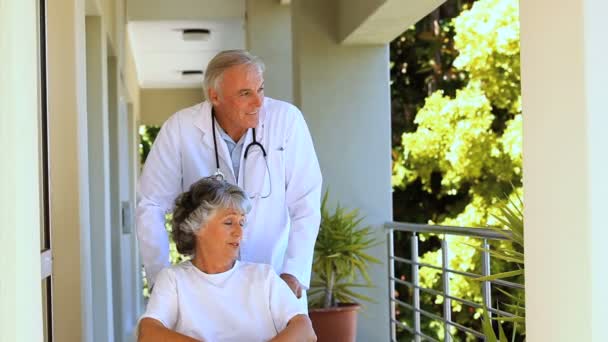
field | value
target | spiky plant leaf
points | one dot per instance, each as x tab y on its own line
340	256
501	275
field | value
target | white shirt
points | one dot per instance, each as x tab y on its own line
281	229
247	303
235	149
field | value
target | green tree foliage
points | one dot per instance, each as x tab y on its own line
461	152
147	135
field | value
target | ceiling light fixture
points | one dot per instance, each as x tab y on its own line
196	34
192	75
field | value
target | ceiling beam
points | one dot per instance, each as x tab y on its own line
379	21
154	10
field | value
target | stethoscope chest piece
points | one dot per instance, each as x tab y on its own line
219	175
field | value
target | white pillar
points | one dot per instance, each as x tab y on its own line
20	177
99	177
69	181
563	49
344	94
268	31
596	73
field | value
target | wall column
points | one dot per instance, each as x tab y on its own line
565	166
98	100
268	26
344	94
69	180
20	174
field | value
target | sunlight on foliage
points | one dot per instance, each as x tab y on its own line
488	41
470	143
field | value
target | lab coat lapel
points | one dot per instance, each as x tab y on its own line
205	124
259	136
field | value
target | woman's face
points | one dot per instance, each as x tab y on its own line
220	238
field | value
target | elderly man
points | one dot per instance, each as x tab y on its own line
261	144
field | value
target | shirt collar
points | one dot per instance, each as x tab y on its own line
228	138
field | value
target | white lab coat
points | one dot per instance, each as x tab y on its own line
281	230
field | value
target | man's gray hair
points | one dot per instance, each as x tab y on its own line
223	61
194	207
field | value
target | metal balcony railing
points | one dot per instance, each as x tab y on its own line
485	235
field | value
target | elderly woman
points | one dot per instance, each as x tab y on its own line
215	297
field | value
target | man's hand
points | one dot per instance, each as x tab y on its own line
293	284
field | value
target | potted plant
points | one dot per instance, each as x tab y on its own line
340	265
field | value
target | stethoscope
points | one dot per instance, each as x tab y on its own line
220	175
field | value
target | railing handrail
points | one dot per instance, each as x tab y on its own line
413	229
482	233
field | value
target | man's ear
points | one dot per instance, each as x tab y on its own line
213	96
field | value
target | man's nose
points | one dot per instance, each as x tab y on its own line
258	99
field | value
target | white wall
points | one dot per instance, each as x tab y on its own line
596	74
269	37
157	105
173	10
69	181
564	90
344	94
126	284
379	21
68	171
99	177
20	285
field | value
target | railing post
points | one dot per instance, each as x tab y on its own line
391	285
447	302
416	282
485	271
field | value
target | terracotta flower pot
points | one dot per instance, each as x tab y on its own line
338	324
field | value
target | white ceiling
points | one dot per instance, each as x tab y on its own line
161	54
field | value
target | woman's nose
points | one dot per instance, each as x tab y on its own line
237	231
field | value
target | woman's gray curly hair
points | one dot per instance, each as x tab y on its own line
194	207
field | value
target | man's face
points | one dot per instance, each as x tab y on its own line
240	97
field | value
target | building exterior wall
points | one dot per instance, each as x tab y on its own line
596	73
69	171
157	105
343	92
20	178
565	166
269	37
80	195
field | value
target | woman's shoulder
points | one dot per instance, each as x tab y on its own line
176	270
256	269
